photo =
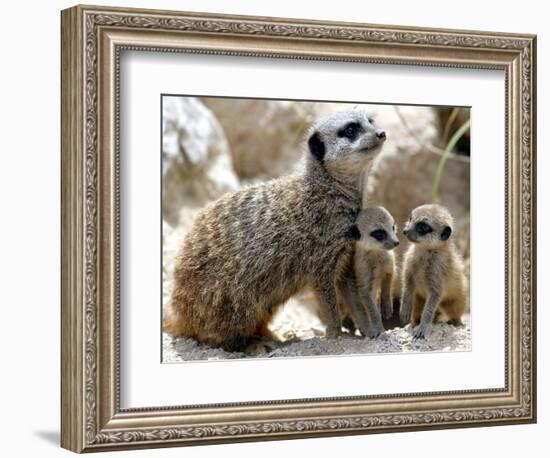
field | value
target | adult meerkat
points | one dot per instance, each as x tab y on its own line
374	267
433	271
250	251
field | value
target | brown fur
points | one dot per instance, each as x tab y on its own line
250	251
433	272
373	267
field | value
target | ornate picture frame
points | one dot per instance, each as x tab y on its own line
92	41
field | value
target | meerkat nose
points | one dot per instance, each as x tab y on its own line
380	133
396	243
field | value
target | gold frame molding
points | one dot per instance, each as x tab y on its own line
92	39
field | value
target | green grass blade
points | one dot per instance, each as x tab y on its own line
448	148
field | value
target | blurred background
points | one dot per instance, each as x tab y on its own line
214	145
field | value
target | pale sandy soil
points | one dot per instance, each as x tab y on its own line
443	338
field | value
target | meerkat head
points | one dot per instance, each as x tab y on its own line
346	143
430	225
375	229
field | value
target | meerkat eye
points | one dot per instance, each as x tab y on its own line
423	228
379	234
350	131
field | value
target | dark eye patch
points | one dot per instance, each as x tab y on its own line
446	233
371	121
423	228
354	232
317	146
379	234
350	131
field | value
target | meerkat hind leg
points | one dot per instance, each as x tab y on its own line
176	324
454	311
264	339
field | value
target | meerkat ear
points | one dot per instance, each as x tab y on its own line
446	233
316	146
354	232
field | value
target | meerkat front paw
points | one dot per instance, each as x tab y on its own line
375	331
421	332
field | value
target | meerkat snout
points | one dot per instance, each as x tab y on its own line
381	134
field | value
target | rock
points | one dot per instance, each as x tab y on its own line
266	136
196	161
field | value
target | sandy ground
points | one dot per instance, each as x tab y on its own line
443	338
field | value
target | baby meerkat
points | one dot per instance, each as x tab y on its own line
433	271
374	266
